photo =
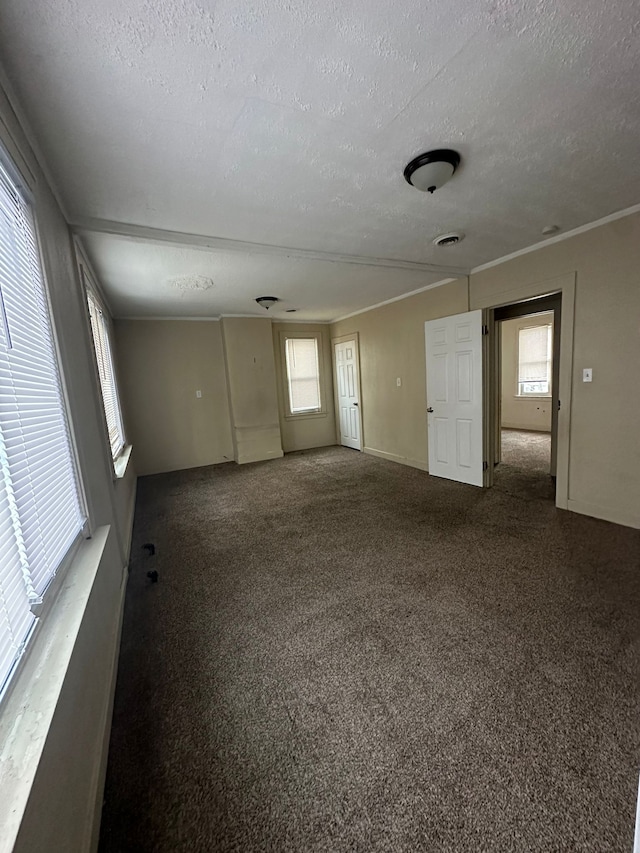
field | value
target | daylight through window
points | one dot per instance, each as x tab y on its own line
106	372
303	375
534	360
41	514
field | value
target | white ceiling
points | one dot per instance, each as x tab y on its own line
289	123
143	279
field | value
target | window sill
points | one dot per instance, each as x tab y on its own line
120	464
28	709
304	416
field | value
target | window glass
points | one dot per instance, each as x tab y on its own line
303	375
41	512
534	360
106	372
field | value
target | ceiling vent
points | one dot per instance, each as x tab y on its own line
449	239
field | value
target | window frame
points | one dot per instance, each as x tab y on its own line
319	339
537	395
42	606
91	288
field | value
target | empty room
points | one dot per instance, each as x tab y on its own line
319	457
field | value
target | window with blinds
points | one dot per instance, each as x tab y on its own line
41	512
106	371
303	375
534	360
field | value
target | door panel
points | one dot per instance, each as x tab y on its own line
348	394
454	393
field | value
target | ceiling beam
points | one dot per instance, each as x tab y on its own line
137	233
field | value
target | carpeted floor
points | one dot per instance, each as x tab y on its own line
345	654
526	450
524	469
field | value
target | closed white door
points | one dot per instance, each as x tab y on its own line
454	397
346	360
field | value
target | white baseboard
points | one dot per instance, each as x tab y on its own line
393	457
627	519
259	456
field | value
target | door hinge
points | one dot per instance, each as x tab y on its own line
485	330
485	466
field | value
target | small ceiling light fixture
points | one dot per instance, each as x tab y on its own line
449	239
267	301
428	172
548	230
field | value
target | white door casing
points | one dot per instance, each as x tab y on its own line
453	348
348	393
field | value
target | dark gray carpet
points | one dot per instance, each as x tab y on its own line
344	654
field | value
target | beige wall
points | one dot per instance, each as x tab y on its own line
604	451
302	432
162	363
251	376
521	412
603	447
391	346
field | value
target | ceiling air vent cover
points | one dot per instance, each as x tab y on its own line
449	239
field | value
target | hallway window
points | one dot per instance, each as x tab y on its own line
41	511
303	375
534	361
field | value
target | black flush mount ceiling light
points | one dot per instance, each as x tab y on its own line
428	172
267	301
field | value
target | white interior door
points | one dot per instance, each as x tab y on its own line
454	397
348	394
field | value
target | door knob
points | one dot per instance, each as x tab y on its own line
355	404
429	409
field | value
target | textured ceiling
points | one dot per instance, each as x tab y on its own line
149	280
289	123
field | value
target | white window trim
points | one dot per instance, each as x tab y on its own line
523	396
120	461
42	606
322	411
29	701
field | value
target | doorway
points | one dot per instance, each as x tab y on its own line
346	369
527	358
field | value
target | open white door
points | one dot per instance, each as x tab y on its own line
348	393
454	397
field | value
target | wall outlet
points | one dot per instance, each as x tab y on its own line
198	394
587	374
399	382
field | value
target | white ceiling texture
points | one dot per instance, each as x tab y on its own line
209	153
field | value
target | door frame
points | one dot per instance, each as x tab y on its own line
341	339
522	310
566	285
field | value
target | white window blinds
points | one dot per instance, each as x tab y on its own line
303	375
41	514
106	372
534	360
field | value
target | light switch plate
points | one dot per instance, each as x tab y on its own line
399	382
198	394
587	374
